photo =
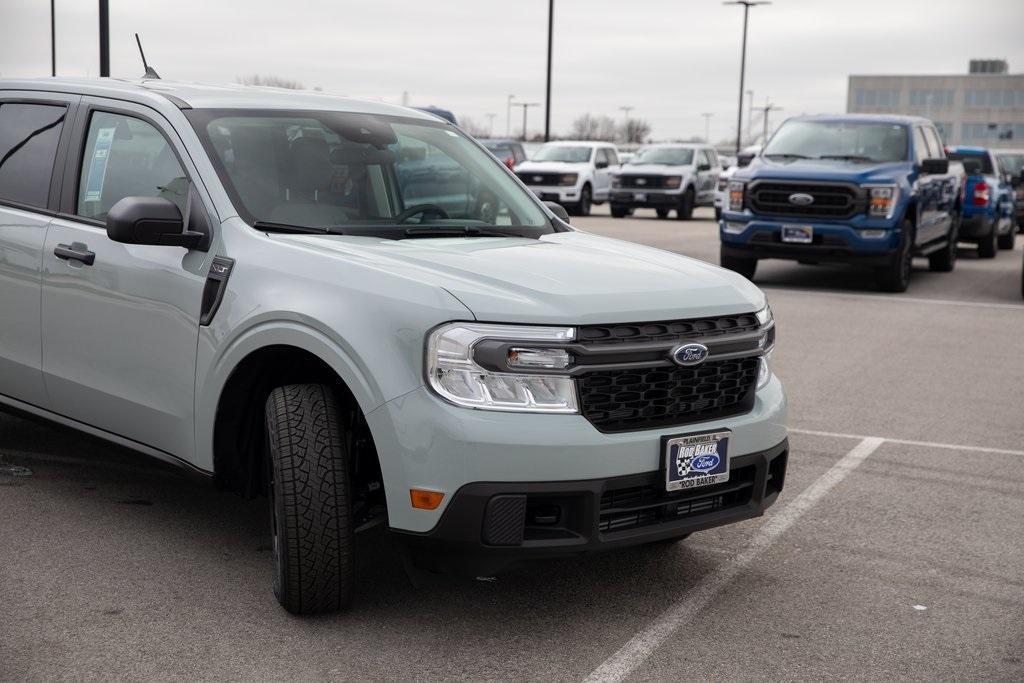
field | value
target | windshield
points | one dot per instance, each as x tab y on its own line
850	140
670	156
571	153
362	174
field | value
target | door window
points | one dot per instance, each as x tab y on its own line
28	145
935	143
921	151
127	157
613	158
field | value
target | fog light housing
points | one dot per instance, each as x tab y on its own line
733	228
872	234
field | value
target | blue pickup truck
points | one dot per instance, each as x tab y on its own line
988	215
865	189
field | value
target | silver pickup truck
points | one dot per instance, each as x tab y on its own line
357	311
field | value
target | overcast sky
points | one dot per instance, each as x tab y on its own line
671	60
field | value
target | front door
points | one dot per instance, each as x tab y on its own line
120	321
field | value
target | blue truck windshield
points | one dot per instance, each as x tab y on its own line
842	140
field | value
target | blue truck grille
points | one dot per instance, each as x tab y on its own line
830	200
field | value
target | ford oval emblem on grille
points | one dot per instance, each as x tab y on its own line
689	355
641	181
538	178
801	199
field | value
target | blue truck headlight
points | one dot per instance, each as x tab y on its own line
454	375
882	200
736	188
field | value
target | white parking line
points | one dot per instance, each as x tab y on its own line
643	644
911	442
888	298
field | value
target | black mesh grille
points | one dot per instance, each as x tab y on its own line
830	201
638	506
666	330
539	178
642	181
620	400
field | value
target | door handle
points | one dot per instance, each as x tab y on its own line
75	251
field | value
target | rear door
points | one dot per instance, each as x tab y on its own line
120	322
34	129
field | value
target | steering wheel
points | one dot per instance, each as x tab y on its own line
418	209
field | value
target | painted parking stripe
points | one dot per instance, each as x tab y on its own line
631	655
911	442
888	298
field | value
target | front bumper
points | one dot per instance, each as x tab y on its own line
557	193
490	527
650	199
832	241
426	443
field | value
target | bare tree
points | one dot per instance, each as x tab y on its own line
636	131
584	128
472	128
270	81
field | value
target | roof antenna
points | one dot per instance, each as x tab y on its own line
150	72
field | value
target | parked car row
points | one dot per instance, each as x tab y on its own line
873	190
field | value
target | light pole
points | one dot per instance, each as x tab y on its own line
104	38
508	117
625	126
53	40
750	111
707	127
767	108
547	96
747	4
525	106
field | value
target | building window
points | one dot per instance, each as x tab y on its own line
883	98
993	131
931	98
994	98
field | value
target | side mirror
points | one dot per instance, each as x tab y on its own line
150	220
558	210
934	166
600	164
704	167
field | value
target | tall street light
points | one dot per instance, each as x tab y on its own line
53	40
750	111
747	4
547	96
508	117
525	106
707	127
104	38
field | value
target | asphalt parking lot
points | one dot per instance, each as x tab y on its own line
896	549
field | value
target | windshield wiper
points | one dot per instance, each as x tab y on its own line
457	231
846	157
786	155
270	226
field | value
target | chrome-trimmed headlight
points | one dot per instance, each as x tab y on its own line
454	375
882	200
673	182
764	373
767	344
736	188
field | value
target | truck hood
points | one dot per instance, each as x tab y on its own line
565	278
823	169
654	169
552	167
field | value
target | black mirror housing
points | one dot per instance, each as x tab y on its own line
934	166
558	210
150	220
600	164
704	167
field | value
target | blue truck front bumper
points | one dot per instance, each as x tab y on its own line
744	236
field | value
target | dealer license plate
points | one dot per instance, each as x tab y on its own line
798	234
640	196
696	460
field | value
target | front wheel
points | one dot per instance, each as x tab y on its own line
582	207
619	211
988	245
662	213
310	503
895	277
744	266
1008	240
718	213
943	260
685	210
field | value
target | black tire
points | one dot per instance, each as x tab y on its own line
310	502
662	213
989	244
1009	240
718	213
895	277
619	211
744	266
944	260
685	210
583	206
